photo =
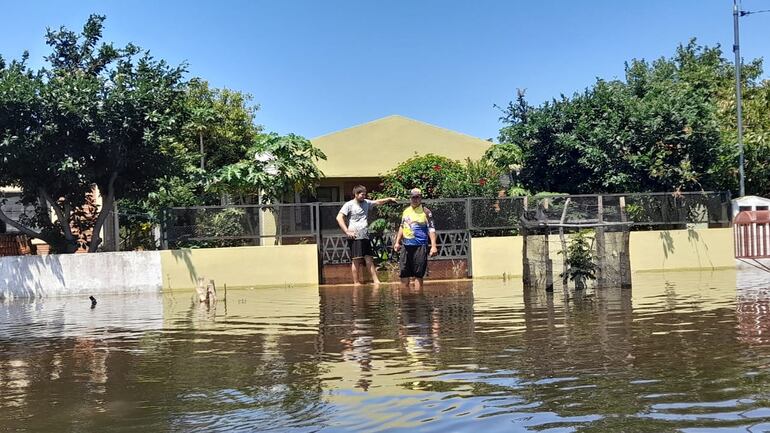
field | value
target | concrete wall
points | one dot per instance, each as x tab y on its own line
153	271
497	257
86	274
682	249
294	265
649	251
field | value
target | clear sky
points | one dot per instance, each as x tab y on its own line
317	66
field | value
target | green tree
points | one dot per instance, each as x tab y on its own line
96	116
221	125
271	167
668	126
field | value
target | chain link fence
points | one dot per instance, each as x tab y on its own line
457	220
641	211
240	225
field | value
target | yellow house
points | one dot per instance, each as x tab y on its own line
362	154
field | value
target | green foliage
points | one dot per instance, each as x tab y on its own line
478	179
272	166
441	177
136	227
428	172
220	223
223	223
377	234
506	156
580	259
96	116
221	122
665	128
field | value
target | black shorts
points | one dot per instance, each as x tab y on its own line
413	261
359	248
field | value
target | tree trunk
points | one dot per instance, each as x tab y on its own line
63	215
107	204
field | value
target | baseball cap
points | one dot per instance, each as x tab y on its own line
415	192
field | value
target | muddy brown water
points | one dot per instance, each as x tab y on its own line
686	351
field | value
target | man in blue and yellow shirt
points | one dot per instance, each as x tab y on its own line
415	230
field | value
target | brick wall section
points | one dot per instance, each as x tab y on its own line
437	270
13	244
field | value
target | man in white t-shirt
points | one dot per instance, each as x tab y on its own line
356	227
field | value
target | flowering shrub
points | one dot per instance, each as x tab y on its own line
441	177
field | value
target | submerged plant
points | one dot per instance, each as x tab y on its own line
579	257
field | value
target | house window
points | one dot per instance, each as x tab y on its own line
14	209
327	193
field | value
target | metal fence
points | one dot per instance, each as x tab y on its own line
240	225
453	237
641	211
457	220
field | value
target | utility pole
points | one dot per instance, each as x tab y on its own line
738	99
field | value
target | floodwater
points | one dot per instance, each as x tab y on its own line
684	351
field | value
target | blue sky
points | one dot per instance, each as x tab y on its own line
319	66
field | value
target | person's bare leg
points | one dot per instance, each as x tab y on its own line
354	270
405	283
418	283
372	269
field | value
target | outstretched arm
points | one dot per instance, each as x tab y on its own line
384	200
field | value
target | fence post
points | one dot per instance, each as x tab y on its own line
316	218
600	241
163	230
468	225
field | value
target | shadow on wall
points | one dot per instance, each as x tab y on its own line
30	276
698	246
184	255
697	243
668	243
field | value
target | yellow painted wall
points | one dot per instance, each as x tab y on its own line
496	256
681	249
649	251
278	266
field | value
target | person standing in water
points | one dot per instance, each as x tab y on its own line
356	212
416	229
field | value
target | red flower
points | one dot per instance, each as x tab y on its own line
482	181
437	167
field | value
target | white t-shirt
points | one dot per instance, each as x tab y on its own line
357	214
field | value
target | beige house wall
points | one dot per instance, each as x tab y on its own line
649	251
682	250
497	257
285	265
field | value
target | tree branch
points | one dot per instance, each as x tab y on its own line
107	202
64	222
27	231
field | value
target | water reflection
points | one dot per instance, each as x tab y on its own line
681	352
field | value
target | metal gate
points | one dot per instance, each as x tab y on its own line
751	232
